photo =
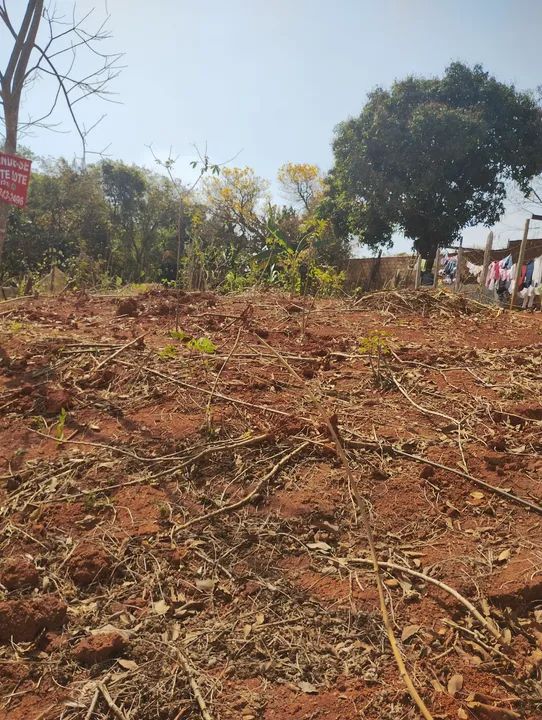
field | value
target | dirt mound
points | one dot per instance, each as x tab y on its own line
164	301
17	573
89	563
53	400
23	620
97	648
128	306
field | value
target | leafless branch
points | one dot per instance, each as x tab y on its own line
63	38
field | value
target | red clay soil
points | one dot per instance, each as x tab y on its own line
177	526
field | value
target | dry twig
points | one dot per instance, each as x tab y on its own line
255	490
115	709
101	364
364	514
205	714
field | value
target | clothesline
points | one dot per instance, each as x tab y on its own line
501	276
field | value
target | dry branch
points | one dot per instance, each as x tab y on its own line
115	709
118	352
392	450
255	490
490	626
194	685
366	521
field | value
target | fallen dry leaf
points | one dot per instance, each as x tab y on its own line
323	546
307	687
206	584
160	607
409	631
536	657
391	582
127	664
437	685
455	683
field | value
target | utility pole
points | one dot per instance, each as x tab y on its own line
457	281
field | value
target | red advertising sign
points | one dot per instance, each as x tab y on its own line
14	179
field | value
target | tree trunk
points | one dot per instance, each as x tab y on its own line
12	87
11	115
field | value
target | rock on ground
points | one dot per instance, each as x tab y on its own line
23	620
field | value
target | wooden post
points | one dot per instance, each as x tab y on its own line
487	256
436	266
374	269
418	272
457	281
520	263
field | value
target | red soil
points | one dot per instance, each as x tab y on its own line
101	534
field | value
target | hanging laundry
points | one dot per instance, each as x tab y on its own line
475	270
528	274
501	277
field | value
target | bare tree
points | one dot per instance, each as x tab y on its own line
46	45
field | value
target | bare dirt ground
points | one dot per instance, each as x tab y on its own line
179	539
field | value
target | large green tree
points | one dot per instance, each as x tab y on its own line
143	210
432	156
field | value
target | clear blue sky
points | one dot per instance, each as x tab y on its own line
271	78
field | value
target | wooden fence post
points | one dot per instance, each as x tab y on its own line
418	272
374	269
520	263
436	266
457	281
487	257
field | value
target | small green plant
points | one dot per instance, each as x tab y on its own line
179	335
90	502
233	282
376	346
203	345
59	431
328	280
15	327
168	352
163	511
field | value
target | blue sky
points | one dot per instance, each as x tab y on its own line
269	79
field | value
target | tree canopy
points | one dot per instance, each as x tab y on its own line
116	220
432	156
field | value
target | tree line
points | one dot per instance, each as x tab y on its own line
111	221
426	158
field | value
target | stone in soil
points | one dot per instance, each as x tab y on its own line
23	620
100	647
88	564
17	573
128	306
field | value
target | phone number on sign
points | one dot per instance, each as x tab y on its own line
9	197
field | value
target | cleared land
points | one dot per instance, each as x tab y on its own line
178	533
